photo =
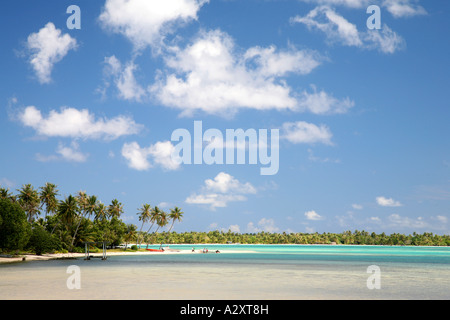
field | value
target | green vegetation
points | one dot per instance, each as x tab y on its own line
14	228
35	220
348	237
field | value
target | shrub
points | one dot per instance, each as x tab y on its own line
14	227
42	242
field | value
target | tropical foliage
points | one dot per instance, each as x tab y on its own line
36	220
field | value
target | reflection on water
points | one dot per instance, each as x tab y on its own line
268	272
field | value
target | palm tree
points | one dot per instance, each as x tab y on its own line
48	197
29	201
129	234
82	198
101	212
154	214
175	214
153	218
88	204
68	210
161	220
115	209
5	194
91	205
145	214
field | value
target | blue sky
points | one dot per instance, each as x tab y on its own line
362	113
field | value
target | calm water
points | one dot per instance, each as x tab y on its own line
248	272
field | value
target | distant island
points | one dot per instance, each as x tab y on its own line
36	221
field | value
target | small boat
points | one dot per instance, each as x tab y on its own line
155	250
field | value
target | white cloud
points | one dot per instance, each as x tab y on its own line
385	40
272	62
303	132
47	47
70	153
404	8
337	29
312	215
357	206
225	183
214	200
124	79
136	156
164	204
221	190
160	153
127	85
74	123
146	23
323	103
385	202
266	225
210	75
398	8
398	221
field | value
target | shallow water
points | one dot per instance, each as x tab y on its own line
249	272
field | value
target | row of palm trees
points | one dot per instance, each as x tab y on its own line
74	209
155	215
33	201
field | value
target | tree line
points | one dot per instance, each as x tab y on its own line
36	220
348	237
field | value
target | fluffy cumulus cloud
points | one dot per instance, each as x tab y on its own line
144	158
218	192
312	215
47	47
339	30
74	123
209	74
146	23
388	202
212	76
304	132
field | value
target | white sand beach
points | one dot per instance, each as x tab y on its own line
31	257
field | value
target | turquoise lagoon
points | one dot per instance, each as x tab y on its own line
275	272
